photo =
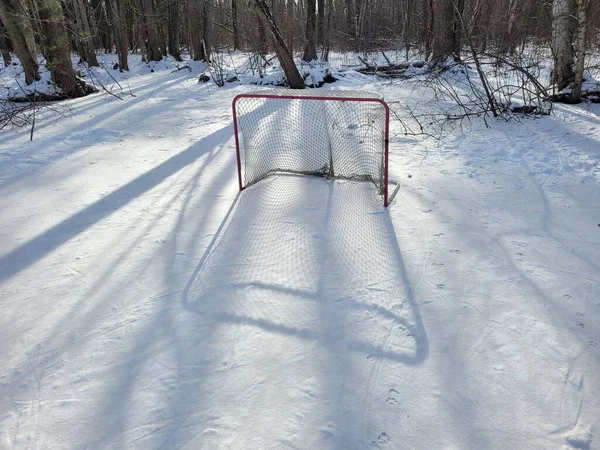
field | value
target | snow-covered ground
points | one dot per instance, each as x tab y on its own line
146	304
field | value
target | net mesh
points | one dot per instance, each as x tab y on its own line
336	137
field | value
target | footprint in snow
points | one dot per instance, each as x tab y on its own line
382	440
519	244
393	397
455	251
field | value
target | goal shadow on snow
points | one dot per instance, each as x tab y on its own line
315	260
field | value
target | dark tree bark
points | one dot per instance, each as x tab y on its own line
14	16
5	45
234	24
458	7
152	46
351	24
138	31
310	47
444	30
207	28
195	23
56	48
428	28
290	25
448	29
321	24
294	78
327	37
173	29
117	8
262	35
104	27
85	37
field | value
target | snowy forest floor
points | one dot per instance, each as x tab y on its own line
146	304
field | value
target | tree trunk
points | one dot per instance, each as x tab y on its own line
85	37
262	35
56	48
327	37
458	6
104	27
582	6
234	24
5	45
195	21
294	78
321	24
351	24
207	28
407	27
14	16
310	47
563	27
290	24
139	27
152	46
428	29
173	31
117	9
443	30
509	43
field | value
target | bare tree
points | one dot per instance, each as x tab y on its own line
174	24
582	7
197	48
234	25
443	30
292	75
56	48
16	19
310	45
84	35
152	45
5	45
117	13
321	24
563	26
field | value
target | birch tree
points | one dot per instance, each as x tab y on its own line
563	26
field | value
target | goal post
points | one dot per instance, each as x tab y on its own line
335	134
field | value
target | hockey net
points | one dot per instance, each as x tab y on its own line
337	134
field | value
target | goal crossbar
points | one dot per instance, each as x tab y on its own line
337	128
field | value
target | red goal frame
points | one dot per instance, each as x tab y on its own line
323	98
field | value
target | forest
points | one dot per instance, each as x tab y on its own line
514	33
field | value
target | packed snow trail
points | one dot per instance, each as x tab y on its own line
146	304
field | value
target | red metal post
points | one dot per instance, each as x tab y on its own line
237	140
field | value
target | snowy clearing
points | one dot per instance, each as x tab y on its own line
146	304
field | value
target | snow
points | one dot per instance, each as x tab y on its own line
148	304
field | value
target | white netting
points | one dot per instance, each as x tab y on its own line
340	135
